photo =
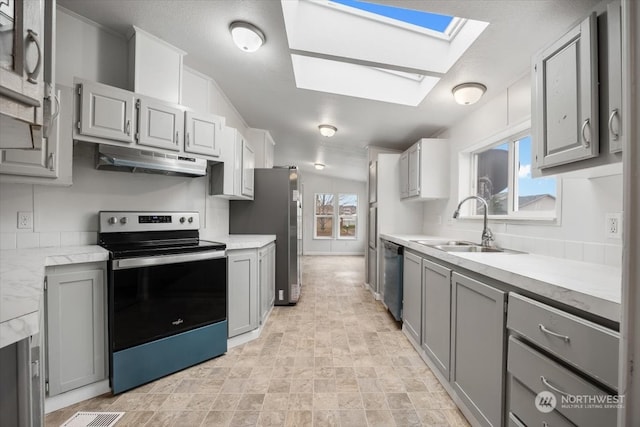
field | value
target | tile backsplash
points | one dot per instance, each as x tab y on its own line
47	239
596	253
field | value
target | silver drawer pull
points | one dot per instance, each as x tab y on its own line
551	387
555	334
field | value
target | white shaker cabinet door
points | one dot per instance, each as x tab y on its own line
106	112
565	93
248	163
160	125
243	291
203	134
75	329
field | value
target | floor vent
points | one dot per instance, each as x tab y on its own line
93	419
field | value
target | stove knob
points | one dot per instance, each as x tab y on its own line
123	220
182	220
112	220
190	219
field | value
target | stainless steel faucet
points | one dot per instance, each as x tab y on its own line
487	235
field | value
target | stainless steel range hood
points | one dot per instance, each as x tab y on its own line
134	160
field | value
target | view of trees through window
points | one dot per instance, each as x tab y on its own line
326	217
494	182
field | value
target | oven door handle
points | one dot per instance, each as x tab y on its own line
122	264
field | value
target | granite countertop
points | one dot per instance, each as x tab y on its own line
22	282
242	241
593	288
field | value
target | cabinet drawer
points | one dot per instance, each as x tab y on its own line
590	347
522	406
539	373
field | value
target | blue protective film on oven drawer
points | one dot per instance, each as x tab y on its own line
144	363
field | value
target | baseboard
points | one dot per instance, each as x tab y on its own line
334	253
72	397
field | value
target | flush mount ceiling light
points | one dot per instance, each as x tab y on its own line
319	166
468	93
327	130
246	36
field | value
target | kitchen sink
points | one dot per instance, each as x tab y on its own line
474	248
453	243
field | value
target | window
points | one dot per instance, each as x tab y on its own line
501	174
329	223
323	221
348	212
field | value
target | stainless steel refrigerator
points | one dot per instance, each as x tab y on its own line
276	208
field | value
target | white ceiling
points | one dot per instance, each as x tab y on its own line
262	87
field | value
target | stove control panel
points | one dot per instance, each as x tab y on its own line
127	221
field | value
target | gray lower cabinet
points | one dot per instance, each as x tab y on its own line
267	270
531	373
478	348
436	314
242	315
412	295
76	326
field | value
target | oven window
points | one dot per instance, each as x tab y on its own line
149	303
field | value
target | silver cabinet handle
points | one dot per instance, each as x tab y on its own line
552	387
32	76
555	334
615	134
187	139
585	141
51	162
127	128
177	138
54	115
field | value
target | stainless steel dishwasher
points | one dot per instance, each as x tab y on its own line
392	278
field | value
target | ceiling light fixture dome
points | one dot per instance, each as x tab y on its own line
468	93
319	166
327	130
246	36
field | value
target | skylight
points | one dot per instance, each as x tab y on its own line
362	46
431	21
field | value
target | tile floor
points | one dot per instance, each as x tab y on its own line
337	358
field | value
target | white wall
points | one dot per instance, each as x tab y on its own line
316	183
68	215
579	234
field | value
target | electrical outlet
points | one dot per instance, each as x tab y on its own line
613	225
25	219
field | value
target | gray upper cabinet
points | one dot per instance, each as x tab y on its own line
51	164
76	326
373	181
248	163
614	38
404	175
414	170
159	124
26	46
106	112
242	314
203	133
412	295
436	314
478	348
565	98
